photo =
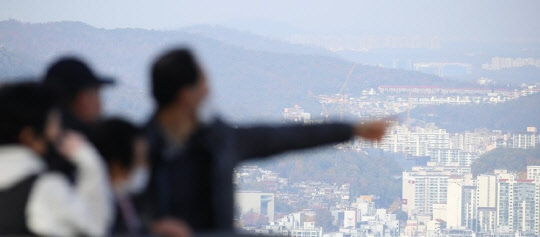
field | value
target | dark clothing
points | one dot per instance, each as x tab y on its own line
194	182
13	205
190	169
56	161
59	163
127	221
70	122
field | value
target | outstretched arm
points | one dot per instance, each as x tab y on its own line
262	141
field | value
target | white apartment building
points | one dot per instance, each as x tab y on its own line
422	189
458	149
533	171
517	202
308	230
451	157
298	224
486	203
525	140
460	205
258	202
416	142
373	223
425	186
494	203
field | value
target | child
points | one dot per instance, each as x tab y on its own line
33	200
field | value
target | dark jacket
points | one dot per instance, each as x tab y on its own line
13	201
212	153
71	122
54	159
120	226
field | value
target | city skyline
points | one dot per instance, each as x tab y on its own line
466	120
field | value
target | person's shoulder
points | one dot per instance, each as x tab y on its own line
213	132
53	184
50	190
215	126
152	131
48	202
150	123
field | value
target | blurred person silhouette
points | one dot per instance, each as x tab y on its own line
192	163
124	149
34	200
77	92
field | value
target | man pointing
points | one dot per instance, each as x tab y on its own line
193	163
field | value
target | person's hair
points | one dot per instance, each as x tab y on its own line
115	140
171	72
23	104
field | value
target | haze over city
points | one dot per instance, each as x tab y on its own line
478	20
459	80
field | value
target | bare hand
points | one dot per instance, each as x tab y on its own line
70	143
171	227
373	131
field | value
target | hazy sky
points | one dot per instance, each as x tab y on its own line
480	19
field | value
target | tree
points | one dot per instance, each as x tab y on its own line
511	115
282	207
367	173
506	158
254	219
324	219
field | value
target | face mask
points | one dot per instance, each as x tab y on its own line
139	180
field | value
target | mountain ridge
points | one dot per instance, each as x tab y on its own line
263	82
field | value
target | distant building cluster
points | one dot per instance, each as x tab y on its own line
296	114
431	90
439	202
443	69
440	196
449	149
298	224
444	199
363	219
366	43
311	195
498	63
388	100
351	216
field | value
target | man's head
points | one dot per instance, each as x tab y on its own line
124	148
178	81
77	88
28	117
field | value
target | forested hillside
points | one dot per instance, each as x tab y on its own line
505	158
262	82
514	115
375	174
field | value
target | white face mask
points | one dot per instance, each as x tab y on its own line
139	179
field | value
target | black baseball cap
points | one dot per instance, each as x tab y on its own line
69	75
